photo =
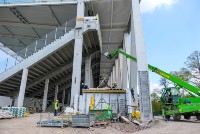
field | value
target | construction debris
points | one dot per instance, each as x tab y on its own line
125	119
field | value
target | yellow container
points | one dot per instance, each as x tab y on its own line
91	107
26	114
136	114
92	100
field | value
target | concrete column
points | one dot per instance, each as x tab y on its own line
63	99
91	78
111	79
114	74
120	70
124	62
44	104
143	77
56	93
78	46
20	100
88	71
69	95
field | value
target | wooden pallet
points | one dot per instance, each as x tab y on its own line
101	124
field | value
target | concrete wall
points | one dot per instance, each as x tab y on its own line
5	101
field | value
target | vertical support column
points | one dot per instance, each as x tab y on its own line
91	78
114	74
44	104
88	71
56	93
68	99
117	72
63	99
22	88
111	78
78	46
143	77
121	68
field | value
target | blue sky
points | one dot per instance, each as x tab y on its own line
171	30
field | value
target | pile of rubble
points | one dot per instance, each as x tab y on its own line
133	126
5	114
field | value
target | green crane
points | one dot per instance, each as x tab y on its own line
174	104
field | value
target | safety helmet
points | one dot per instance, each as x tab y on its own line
56	100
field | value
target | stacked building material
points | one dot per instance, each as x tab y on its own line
16	111
5	114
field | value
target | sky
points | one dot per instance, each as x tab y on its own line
171	32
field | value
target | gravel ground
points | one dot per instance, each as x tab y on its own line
28	126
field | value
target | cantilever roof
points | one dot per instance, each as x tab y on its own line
22	23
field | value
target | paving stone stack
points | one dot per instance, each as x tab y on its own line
5	114
16	111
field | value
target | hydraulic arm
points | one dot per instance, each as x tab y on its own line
180	83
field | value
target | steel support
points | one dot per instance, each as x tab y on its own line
77	61
22	88
44	104
143	77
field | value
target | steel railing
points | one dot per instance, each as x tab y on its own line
37	45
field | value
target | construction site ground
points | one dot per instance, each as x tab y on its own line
27	125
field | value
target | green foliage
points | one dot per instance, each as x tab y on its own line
183	74
156	106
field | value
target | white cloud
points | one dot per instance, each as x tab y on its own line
154	86
150	5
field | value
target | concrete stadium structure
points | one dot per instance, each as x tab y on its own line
57	44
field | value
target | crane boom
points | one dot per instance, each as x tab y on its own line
179	82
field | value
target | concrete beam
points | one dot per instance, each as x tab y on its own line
58	82
50	74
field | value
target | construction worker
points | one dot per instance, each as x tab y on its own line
107	106
56	107
114	85
84	86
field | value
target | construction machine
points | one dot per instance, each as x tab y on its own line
174	104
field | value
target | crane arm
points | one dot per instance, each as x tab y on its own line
179	82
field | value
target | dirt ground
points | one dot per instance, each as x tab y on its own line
28	126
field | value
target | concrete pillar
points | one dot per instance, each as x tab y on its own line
78	46
44	104
91	78
56	93
125	64
69	95
114	74
63	99
88	71
22	88
117	72
120	70
143	77
111	78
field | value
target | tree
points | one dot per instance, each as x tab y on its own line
164	82
184	74
193	64
156	106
